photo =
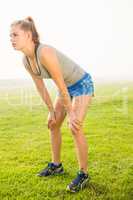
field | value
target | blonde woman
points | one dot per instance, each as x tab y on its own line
75	91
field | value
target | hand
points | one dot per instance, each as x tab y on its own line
73	122
51	119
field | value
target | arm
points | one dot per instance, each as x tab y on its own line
49	59
40	87
43	92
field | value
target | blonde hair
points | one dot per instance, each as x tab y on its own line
28	25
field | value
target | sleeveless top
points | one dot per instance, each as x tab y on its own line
71	71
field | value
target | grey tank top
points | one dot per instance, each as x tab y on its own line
71	71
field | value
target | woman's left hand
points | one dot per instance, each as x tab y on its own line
73	122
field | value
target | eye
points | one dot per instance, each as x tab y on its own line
13	35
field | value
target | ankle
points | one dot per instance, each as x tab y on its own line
56	163
83	171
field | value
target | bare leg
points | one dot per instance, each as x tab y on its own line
80	107
55	133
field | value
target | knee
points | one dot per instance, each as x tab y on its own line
76	131
54	127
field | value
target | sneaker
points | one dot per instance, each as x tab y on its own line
79	182
52	169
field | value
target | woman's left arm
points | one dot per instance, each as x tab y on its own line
49	59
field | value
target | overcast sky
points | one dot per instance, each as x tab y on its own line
97	34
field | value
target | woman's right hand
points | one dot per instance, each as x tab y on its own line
51	119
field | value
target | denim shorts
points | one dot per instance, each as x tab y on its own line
84	86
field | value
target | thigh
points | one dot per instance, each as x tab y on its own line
80	105
59	110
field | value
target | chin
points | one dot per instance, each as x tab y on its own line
16	48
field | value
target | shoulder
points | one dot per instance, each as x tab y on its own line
46	50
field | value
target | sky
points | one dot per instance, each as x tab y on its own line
96	34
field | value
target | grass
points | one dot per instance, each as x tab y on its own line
25	147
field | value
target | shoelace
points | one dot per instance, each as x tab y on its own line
51	166
78	179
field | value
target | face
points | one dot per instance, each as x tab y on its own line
18	37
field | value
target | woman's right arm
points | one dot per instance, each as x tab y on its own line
41	88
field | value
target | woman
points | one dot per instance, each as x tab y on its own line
75	91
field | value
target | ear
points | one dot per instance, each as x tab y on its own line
29	35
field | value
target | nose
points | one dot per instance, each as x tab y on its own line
11	39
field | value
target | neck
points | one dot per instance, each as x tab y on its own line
29	50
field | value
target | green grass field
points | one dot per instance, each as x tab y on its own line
25	146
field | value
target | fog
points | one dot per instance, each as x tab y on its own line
96	34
